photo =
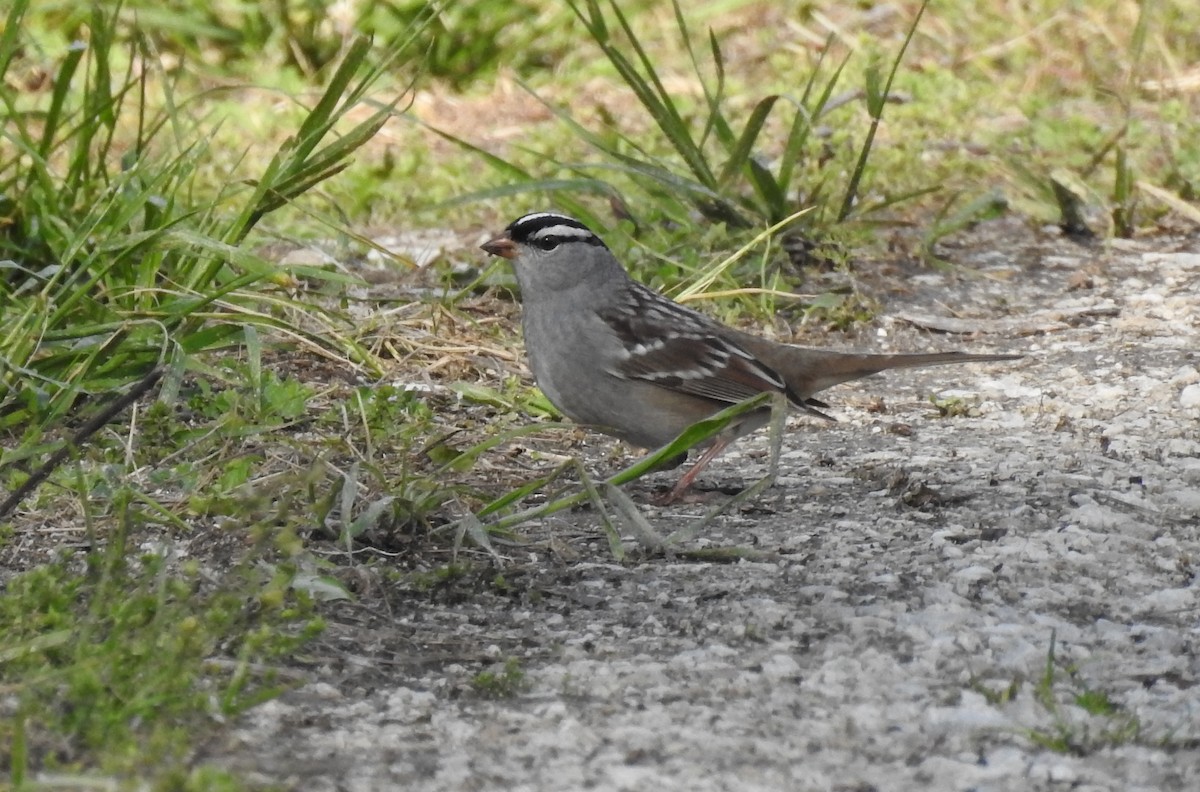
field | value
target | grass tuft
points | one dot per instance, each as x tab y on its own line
116	662
114	265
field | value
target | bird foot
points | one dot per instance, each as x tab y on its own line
681	495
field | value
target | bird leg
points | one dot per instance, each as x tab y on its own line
779	412
686	480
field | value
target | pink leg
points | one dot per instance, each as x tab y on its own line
685	481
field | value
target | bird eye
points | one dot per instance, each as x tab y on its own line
547	242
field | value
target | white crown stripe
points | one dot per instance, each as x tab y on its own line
529	218
562	231
534	222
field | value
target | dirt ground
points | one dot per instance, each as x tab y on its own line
913	578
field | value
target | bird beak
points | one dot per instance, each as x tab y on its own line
501	246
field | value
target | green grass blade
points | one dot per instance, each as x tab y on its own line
713	96
877	94
669	119
62	84
744	147
337	93
9	36
805	118
521	180
497	163
647	87
695	434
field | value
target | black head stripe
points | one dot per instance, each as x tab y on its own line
543	226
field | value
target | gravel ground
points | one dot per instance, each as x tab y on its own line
1001	600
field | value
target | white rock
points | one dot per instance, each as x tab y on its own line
1176	600
780	667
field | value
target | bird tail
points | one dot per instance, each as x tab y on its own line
808	371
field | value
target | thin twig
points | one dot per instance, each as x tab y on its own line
92	426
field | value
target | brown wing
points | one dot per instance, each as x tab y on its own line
676	348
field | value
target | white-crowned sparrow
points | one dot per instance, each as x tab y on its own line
629	362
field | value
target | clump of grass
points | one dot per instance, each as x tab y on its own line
120	662
123	267
114	265
716	167
1082	719
291	42
505	681
1105	722
469	41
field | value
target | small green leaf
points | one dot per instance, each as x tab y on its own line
322	588
481	394
449	458
744	148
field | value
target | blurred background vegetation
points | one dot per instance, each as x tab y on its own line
191	192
